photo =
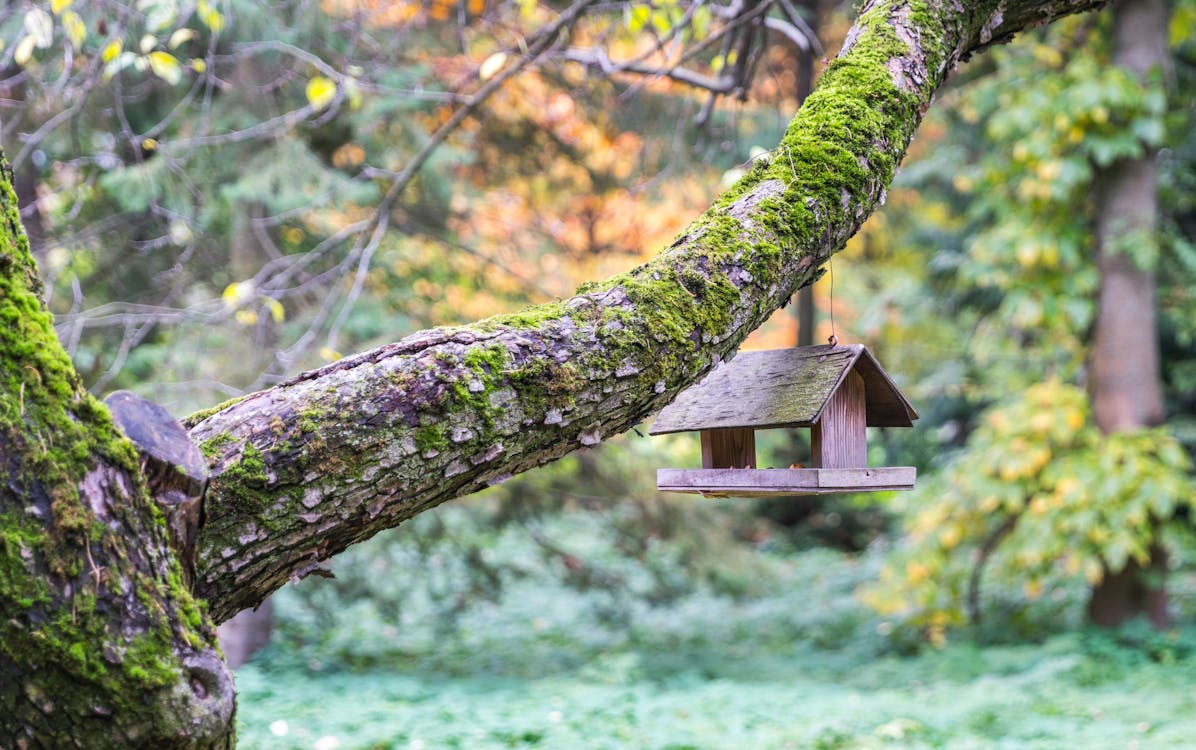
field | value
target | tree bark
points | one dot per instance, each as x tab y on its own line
101	644
1126	388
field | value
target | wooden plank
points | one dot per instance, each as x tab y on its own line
777	482
782	388
729	449
838	438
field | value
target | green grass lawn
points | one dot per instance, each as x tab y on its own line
802	667
1054	695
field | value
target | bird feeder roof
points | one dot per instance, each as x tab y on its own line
784	388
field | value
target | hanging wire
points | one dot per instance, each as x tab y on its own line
833	339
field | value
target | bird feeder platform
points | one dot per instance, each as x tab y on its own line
835	391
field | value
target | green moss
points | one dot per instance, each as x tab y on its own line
199	416
214	446
246	478
431	437
528	318
488	360
310	420
63	571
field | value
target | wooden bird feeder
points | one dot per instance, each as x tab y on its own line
836	391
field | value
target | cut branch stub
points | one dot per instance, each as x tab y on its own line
174	469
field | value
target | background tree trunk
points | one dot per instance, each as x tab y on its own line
246	633
1126	386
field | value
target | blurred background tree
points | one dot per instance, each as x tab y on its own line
1053	283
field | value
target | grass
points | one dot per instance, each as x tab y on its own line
1001	697
800	666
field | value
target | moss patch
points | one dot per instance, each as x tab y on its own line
69	617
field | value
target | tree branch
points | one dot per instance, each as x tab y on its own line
303	470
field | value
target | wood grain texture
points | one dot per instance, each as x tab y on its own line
838	439
784	482
784	388
728	449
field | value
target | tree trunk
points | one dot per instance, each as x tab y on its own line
101	645
246	633
1126	387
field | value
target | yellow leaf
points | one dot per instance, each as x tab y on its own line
916	572
215	21
246	317
24	51
111	50
147	43
76	30
236	293
180	36
329	354
353	92
320	91
199	66
149	144
276	310
491	65
56	6
165	66
950	537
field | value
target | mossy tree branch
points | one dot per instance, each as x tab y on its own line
303	470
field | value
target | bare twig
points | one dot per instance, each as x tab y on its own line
985	552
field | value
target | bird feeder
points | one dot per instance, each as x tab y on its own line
835	391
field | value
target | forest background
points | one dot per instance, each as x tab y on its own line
208	188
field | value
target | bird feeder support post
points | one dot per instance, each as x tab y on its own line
838	437
729	449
